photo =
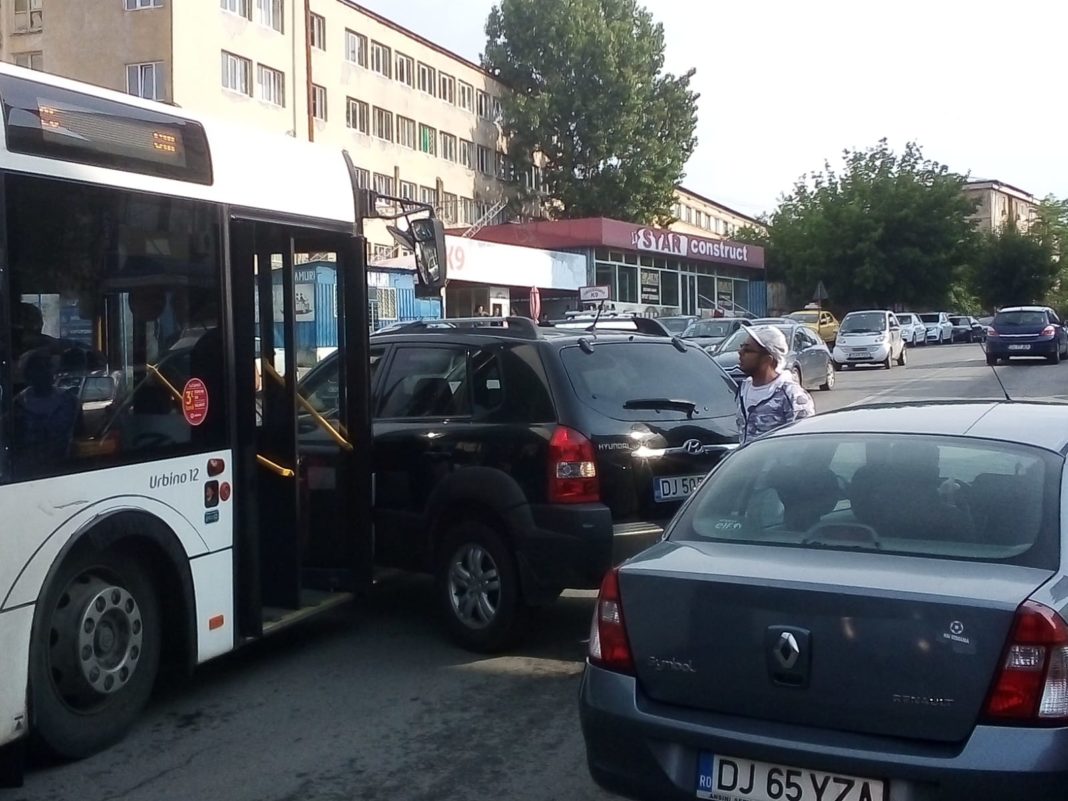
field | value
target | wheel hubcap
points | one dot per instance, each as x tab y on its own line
474	586
96	639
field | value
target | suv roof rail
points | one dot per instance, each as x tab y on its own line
521	327
642	325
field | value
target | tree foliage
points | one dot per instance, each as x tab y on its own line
1013	268
886	228
589	94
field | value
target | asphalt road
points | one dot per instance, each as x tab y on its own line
377	706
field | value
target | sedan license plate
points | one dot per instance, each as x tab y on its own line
1019	347
723	778
674	488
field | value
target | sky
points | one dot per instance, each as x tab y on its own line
786	85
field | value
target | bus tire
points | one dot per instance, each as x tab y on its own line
478	587
95	652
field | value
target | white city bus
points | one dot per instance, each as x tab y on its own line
153	504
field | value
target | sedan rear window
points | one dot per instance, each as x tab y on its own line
1018	318
635	380
917	495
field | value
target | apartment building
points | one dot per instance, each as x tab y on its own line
419	121
997	204
697	215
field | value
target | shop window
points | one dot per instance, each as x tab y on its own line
616	256
669	288
706	292
630	258
628	284
605	275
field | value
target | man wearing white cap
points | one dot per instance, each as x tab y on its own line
768	397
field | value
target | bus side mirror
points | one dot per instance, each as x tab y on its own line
431	263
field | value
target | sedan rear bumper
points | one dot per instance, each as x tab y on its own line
645	750
1003	348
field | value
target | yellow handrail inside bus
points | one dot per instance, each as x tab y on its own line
163	380
322	422
284	472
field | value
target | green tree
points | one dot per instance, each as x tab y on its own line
1013	268
589	94
887	228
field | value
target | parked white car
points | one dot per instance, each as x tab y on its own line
913	330
939	328
870	337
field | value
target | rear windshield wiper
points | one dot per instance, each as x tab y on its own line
662	403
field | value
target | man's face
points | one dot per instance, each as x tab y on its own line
750	356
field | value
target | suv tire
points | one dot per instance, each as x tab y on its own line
478	587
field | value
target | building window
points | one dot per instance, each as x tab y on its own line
465	153
467	211
271	13
407	190
319	102
467	96
428	196
272	85
384	184
243	8
448	147
145	80
380	59
318	32
426	79
31	61
449	208
428	140
447	88
138	5
406	132
356	48
405	69
504	167
485	160
382	251
363	178
483	103
358	116
237	73
28	16
498	112
383	124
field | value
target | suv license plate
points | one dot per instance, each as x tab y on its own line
729	779
1019	347
673	488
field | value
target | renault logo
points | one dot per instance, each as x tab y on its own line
693	447
787	651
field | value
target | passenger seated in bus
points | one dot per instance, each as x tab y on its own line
43	417
27	335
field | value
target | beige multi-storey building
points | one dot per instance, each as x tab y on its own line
697	215
997	204
418	120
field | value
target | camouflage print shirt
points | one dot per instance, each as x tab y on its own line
787	402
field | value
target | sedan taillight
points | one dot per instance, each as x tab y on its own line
1032	683
609	644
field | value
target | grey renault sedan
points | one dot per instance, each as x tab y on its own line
868	605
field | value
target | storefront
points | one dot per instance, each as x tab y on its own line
652	271
498	280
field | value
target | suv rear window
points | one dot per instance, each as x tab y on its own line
966	499
1018	318
616	373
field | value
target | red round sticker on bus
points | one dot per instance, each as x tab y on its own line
195	401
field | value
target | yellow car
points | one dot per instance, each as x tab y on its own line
822	322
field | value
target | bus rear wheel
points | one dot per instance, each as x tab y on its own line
95	653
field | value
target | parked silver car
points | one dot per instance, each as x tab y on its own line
808	359
913	329
867	604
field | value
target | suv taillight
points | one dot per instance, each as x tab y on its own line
609	646
1049	331
1032	683
572	468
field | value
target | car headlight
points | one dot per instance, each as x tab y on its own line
881	338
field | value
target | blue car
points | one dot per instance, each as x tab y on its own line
866	605
1026	331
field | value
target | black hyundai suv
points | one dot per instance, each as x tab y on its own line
513	461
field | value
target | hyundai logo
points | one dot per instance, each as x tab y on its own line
693	447
787	651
